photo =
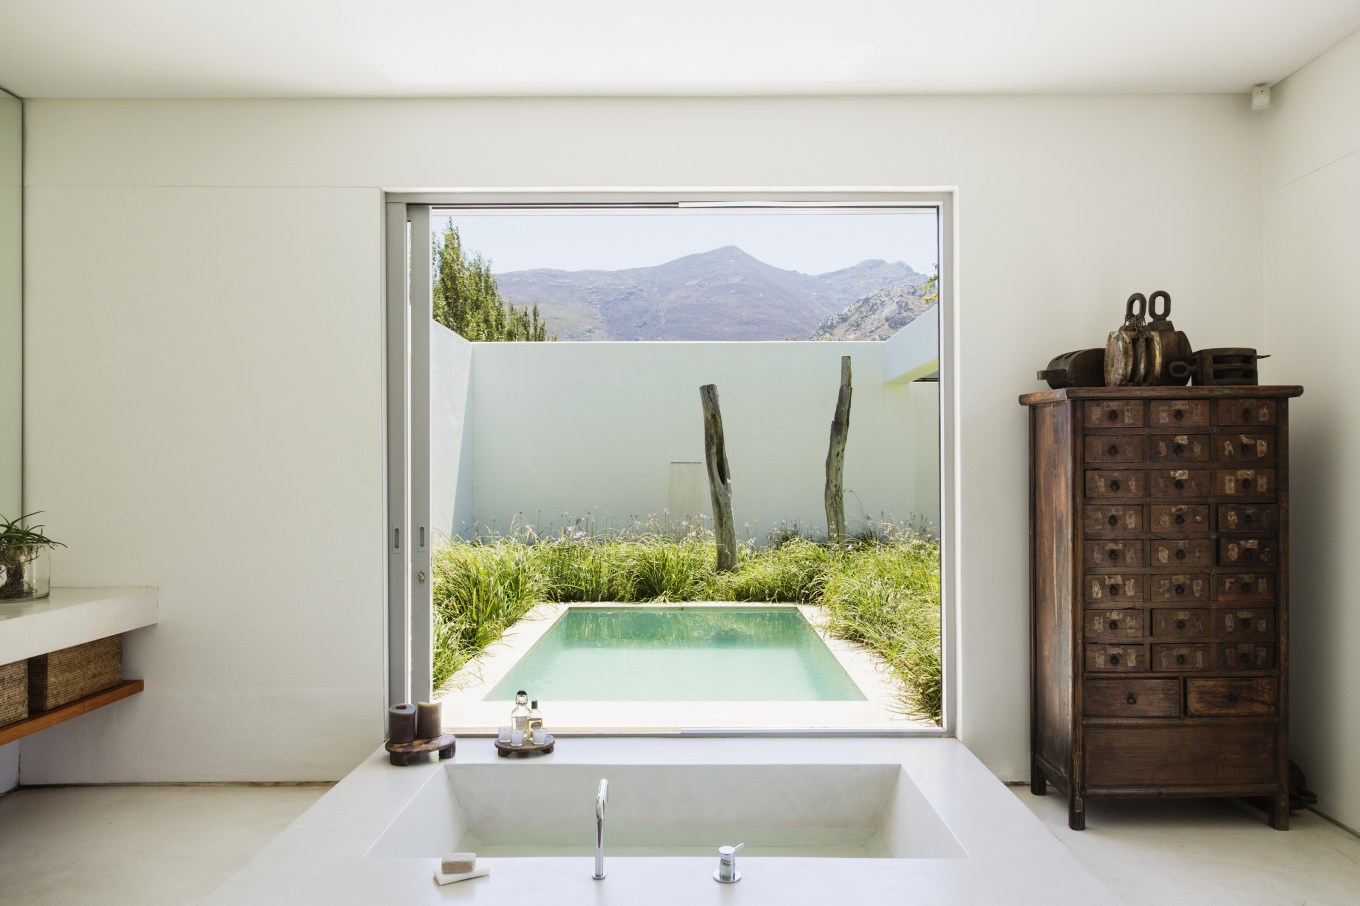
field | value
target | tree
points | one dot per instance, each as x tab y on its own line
468	302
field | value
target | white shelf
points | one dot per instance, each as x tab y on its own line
72	616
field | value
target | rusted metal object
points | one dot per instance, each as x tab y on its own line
1230	366
1082	368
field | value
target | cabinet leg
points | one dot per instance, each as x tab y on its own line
1038	784
1279	812
1076	812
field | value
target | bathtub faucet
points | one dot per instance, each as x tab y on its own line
601	800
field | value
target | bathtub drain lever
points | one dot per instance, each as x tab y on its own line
727	865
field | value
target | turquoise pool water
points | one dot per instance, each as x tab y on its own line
679	654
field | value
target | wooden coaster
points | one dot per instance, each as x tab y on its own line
401	753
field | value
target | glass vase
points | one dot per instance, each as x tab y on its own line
25	572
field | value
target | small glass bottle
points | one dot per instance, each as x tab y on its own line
519	715
535	720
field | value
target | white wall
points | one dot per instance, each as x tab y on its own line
1311	179
184	252
450	432
591	429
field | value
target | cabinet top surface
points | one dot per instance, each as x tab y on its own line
1227	391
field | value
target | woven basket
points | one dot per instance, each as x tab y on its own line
61	677
13	692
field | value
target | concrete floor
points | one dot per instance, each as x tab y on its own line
173	845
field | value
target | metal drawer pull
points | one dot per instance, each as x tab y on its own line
1244	622
1246	448
1180	485
1114	589
1113	449
1114	555
1179	415
1180	590
1114	485
1114	414
1114	659
1114	520
1248	553
1246	588
1246	519
1246	484
1131	699
1180	520
1178	449
1232	697
1180	624
1244	658
1180	554
1246	415
1114	624
1180	659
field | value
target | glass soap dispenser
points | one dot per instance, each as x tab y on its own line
519	715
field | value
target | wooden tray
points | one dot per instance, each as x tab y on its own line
401	753
505	749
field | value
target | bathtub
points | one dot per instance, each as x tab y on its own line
823	820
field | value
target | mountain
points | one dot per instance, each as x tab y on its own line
724	294
878	315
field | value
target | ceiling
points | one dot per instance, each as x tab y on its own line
448	48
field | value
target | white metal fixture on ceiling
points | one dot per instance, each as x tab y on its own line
447	48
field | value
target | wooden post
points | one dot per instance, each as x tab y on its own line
719	479
835	460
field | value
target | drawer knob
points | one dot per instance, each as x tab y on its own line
1246	519
1180	520
1114	554
1244	622
1248	553
1114	624
1114	659
1246	484
1114	485
1180	590
1180	659
1244	657
1180	554
1114	589
1246	588
1232	697
1113	450
1180	624
1113	415
1113	520
1178	449
1246	415
1131	699
1180	414
1180	485
1246	448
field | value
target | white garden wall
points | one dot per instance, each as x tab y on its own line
1311	185
450	431
591	430
204	374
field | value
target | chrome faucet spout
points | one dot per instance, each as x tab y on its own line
601	800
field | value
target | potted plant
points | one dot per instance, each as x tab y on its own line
24	568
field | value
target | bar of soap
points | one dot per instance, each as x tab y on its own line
457	863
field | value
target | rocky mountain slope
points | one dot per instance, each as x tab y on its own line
724	294
879	314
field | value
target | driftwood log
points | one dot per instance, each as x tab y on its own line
835	460
719	479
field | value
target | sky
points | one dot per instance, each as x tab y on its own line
812	243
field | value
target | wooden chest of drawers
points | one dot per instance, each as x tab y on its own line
1159	593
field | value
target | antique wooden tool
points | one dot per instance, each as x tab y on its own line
1082	368
1129	351
1169	344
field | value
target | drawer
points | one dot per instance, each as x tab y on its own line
1178	482
1181	553
1244	482
1114	625
1244	448
1181	658
1246	412
1112	519
1115	448
1248	551
1115	658
1247	656
1114	590
1173	755
1189	587
1114	554
1114	414
1178	448
1248	517
1232	696
1116	482
1245	587
1178	519
1181	624
1246	623
1133	697
1178	413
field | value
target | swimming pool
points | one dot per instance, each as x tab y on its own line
679	654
